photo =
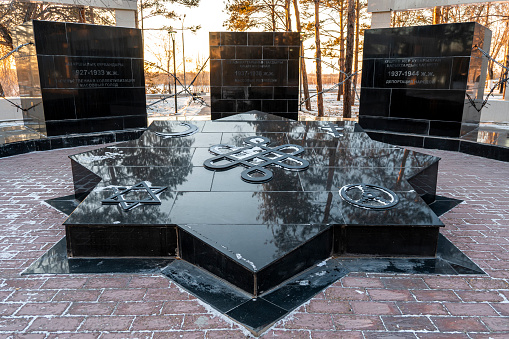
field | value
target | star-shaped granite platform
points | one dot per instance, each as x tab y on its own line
267	243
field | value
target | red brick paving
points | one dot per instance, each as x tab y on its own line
150	306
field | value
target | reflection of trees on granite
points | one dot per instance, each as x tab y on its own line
158	165
393	265
282	209
161	166
350	159
409	211
409	162
269	127
92	212
288	237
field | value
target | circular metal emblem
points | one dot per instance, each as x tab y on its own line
369	196
191	129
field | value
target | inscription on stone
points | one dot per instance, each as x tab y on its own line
93	73
414	72
254	71
258	72
416	79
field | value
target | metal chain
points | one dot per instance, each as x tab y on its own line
15	50
503	79
3	95
186	88
348	76
334	87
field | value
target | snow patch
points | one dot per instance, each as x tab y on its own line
239	256
107	155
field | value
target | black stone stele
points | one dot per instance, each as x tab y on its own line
254	71
80	78
254	252
149	196
333	130
256	156
416	79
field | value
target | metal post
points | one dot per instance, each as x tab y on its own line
168	62
175	73
183	54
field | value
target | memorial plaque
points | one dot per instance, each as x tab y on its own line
254	71
80	78
416	79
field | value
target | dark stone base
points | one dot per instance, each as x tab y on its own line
124	241
202	255
480	149
66	141
386	241
161	242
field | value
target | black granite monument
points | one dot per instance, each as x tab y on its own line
254	213
416	79
79	78
254	71
253	198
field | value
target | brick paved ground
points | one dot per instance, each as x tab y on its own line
150	306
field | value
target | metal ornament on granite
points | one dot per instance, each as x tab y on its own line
369	196
120	196
333	129
191	129
256	156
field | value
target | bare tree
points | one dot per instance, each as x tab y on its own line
15	13
304	73
268	15
319	87
347	101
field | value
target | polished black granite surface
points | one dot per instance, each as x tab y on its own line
254	71
19	140
255	252
417	79
488	141
157	197
80	78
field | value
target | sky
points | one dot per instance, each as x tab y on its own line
209	15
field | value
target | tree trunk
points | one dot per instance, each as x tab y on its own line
81	14
30	11
288	16
437	15
319	88
347	107
504	72
486	22
6	35
341	61
273	16
356	53
303	71
445	14
503	85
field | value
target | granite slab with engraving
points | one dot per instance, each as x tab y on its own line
418	79
80	78
254	71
